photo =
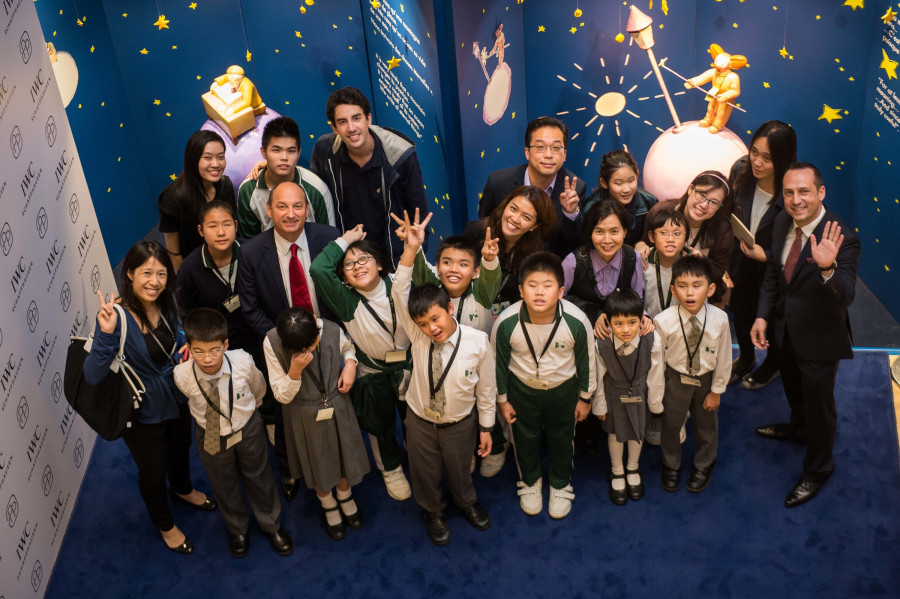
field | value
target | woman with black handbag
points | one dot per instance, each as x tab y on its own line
160	435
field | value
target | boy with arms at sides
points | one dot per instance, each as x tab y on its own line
472	289
696	340
546	377
224	389
453	372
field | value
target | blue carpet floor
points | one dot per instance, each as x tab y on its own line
733	540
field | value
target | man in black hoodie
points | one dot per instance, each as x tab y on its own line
371	171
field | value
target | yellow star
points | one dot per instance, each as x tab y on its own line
124	14
157	102
80	23
783	52
889	66
174	47
889	16
249	55
541	28
573	30
482	153
192	5
145	51
92	49
162	22
829	114
854	4
766	84
375	4
394	62
337	73
297	33
173	176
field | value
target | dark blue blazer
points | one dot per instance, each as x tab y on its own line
260	285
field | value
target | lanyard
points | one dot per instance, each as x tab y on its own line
668	299
459	307
371	310
230	282
435	388
633	371
522	312
318	381
230	392
691	354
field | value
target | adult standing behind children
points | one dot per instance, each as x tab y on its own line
756	188
372	171
809	285
546	139
280	151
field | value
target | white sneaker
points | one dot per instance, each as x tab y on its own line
560	502
491	465
530	498
396	483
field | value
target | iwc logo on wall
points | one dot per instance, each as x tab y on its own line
74	208
25	47
12	511
41	222
78	452
65	296
47	480
6	238
22	412
37	575
50	131
16	143
56	387
32	316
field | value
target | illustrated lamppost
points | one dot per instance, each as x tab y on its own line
640	26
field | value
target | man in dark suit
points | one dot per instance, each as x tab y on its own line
266	271
809	284
546	139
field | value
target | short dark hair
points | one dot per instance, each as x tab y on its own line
541	262
423	297
458	242
217	204
283	126
600	211
802	166
297	329
613	161
346	95
662	217
205	325
364	246
546	121
623	302
698	266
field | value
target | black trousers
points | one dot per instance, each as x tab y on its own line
160	450
809	387
744	301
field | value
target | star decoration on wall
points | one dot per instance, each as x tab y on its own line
783	52
394	62
854	4
249	55
829	114
375	4
889	16
145	51
162	22
156	102
573	30
192	6
889	66
541	29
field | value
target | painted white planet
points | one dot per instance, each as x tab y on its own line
66	72
675	159
496	94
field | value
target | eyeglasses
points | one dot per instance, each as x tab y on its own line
704	199
214	352
362	261
666	234
540	149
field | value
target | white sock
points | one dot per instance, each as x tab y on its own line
348	507
615	457
634	455
333	517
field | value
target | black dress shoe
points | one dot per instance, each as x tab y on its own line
289	487
782	431
739	369
635	492
186	547
208	505
477	516
803	492
670	479
354	520
238	545
281	541
700	478
335	531
616	496
758	380
438	531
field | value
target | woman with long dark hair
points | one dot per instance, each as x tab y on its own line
202	180
160	437
757	200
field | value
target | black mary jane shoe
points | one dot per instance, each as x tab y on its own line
635	492
355	520
208	504
616	496
337	531
186	547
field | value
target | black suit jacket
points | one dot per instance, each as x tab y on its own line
501	182
260	284
813	312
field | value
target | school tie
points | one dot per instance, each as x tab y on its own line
211	437
791	263
299	287
694	344
439	399
624	350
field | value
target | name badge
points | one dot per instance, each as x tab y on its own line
324	414
630	399
232	303
395	356
538	383
234	439
687	379
436	416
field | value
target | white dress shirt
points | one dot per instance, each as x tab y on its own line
761	199
283	246
715	344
